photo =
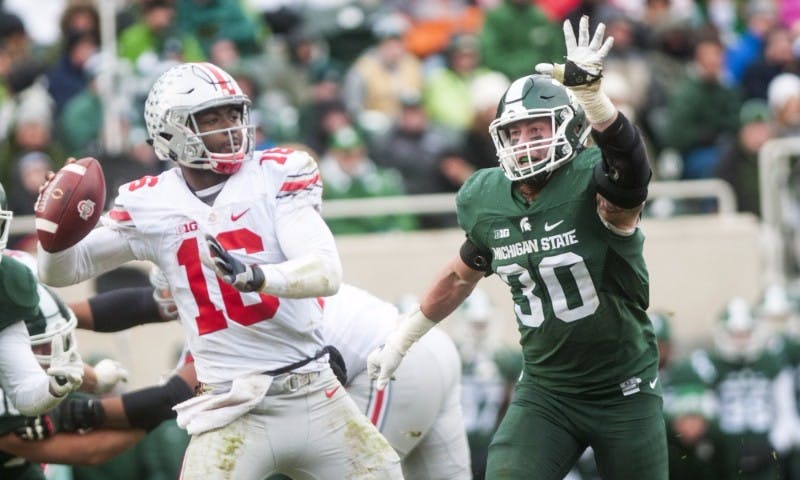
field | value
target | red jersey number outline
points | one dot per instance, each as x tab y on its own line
210	318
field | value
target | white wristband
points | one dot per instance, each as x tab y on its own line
596	105
410	330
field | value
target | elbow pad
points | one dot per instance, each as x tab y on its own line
624	173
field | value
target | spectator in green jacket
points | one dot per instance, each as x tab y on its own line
155	38
516	35
212	20
703	110
348	172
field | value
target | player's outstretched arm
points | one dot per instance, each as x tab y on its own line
144	408
454	284
23	381
101	312
90	448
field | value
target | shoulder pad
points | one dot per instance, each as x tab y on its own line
18	293
470	193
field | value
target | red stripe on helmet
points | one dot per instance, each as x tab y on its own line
221	77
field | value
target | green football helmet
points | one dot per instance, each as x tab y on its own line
538	97
5	218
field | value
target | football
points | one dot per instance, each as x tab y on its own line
69	207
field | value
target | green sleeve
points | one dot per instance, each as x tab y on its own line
18	293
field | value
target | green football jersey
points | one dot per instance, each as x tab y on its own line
580	291
18	295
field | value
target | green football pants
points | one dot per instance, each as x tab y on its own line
543	434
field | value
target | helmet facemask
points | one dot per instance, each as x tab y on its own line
537	98
189	149
172	106
522	160
58	329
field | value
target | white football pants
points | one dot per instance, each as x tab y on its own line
313	433
420	411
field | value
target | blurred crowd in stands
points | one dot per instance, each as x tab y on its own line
393	97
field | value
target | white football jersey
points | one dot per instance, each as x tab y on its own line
230	333
357	323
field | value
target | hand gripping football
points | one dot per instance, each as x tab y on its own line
70	205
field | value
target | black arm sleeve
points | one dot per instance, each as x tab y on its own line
123	308
623	175
148	407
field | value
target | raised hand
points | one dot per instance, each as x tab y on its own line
584	65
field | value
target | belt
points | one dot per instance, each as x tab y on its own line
291	382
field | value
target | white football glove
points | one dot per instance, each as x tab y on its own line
66	369
109	373
382	363
584	65
244	278
583	70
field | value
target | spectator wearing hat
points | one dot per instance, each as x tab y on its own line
348	172
32	130
783	96
380	75
738	164
411	146
447	90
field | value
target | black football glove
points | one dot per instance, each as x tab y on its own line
244	278
36	428
78	414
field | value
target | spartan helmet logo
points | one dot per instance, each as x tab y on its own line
525	225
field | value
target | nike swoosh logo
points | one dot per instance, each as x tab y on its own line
548	227
329	393
653	382
235	217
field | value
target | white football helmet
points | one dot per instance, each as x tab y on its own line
739	335
55	320
5	218
175	98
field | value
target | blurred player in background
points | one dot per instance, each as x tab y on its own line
239	236
489	371
558	223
